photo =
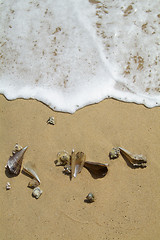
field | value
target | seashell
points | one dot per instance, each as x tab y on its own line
73	160
67	169
8	186
137	160
77	162
16	148
37	192
51	121
90	198
114	153
63	158
96	169
33	183
28	168
15	162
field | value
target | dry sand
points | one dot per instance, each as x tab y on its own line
127	202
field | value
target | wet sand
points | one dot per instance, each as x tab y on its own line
127	202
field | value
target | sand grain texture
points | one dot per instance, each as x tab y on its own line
127	202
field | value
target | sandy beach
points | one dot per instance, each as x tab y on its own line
127	204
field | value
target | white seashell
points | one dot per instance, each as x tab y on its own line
51	121
37	192
8	186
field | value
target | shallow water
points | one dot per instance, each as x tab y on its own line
69	54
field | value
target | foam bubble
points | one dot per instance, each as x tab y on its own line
69	54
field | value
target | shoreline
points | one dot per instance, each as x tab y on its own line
127	200
91	104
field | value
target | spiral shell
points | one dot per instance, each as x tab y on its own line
15	162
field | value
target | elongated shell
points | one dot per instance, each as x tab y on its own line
15	162
98	169
29	169
73	160
77	162
137	160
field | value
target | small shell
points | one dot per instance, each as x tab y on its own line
15	162
114	153
51	121
8	186
33	183
67	169
137	160
37	192
63	158
90	198
17	148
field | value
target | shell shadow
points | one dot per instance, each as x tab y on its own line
98	174
86	201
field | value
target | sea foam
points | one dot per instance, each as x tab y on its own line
69	54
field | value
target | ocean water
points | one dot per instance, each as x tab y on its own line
72	53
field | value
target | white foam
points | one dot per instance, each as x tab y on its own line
69	54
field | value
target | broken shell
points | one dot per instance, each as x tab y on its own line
77	162
137	160
90	198
37	192
15	162
114	153
51	121
67	169
8	186
29	170
96	169
63	158
17	148
33	183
